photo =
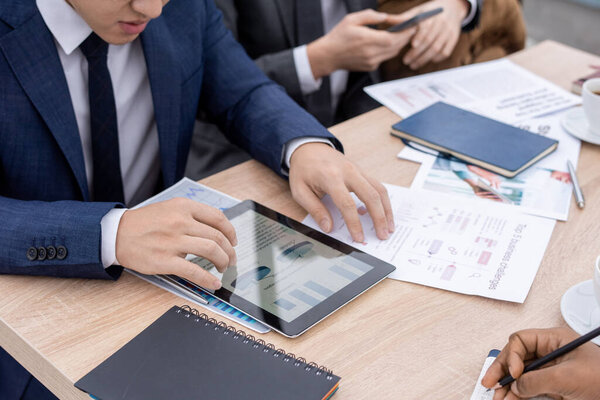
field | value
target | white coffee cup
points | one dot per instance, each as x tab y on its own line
597	280
591	103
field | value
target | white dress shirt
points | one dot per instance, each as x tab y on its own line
333	12
138	134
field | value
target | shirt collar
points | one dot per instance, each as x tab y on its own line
67	27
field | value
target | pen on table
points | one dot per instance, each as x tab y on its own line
576	188
561	351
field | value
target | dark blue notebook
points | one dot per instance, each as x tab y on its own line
186	355
475	139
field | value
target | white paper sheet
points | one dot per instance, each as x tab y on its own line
498	89
480	392
466	246
189	189
544	189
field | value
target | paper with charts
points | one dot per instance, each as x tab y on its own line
189	189
466	246
497	89
480	392
543	189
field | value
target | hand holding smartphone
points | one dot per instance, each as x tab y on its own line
415	20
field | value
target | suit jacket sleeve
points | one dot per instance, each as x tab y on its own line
475	22
75	225
279	66
251	109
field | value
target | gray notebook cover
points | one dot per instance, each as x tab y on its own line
183	356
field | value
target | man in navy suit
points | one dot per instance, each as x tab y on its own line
97	105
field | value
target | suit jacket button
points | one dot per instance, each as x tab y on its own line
41	253
50	253
61	252
32	254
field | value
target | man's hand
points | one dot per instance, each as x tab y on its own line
353	46
317	169
573	376
156	238
437	36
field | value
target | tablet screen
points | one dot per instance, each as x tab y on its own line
284	271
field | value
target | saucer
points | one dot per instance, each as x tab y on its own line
580	309
575	122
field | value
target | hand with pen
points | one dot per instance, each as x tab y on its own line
574	376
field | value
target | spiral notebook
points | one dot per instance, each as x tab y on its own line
186	355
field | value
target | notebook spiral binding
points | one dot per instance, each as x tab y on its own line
256	343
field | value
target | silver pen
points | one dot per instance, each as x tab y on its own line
576	188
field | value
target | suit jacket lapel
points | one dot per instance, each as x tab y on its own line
285	8
31	52
164	75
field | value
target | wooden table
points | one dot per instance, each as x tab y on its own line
398	340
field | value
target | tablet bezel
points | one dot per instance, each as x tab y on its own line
380	269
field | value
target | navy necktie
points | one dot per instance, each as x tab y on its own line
108	185
309	27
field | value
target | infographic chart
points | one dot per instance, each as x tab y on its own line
466	246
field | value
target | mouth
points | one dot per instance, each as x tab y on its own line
133	27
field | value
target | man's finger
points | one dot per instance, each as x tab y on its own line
195	274
395	19
366	17
200	230
215	218
385	200
207	249
313	205
345	203
522	346
495	372
447	50
372	199
434	48
427	31
511	396
501	393
418	47
539	382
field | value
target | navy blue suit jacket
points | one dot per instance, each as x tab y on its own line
192	60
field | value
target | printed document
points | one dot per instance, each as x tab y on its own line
189	189
544	189
497	89
462	245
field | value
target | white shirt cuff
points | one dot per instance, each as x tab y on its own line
308	83
471	14
109	227
293	145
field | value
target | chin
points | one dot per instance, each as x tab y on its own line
119	38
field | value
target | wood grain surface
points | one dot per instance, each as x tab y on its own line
397	341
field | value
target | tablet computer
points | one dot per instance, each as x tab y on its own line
290	276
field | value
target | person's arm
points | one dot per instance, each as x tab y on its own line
354	46
250	108
572	376
436	37
259	116
61	238
351	45
279	66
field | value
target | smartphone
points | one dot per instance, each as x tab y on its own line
415	20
